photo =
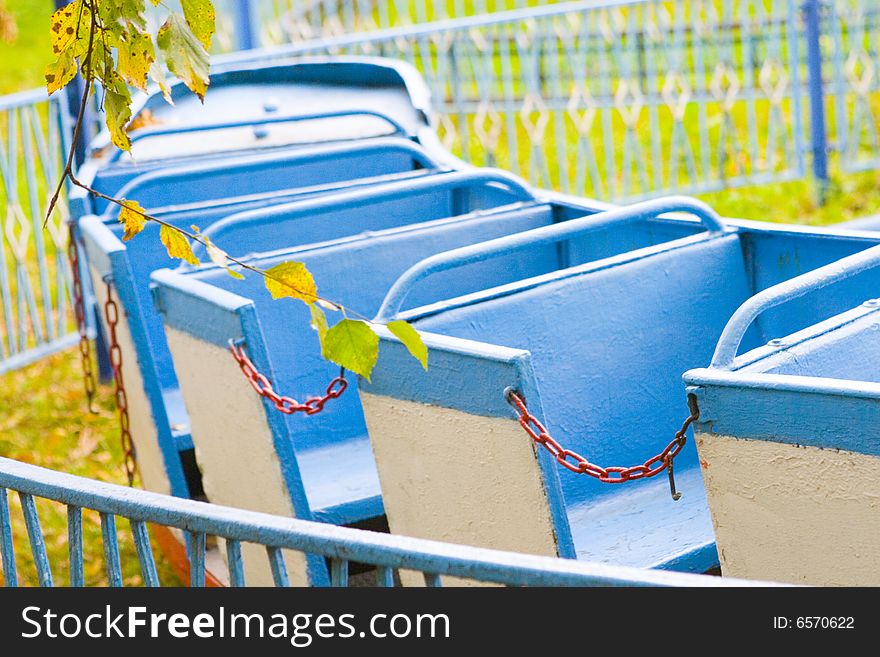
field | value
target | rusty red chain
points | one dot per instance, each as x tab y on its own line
611	474
79	311
111	315
286	405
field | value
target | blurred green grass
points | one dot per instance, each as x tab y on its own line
22	61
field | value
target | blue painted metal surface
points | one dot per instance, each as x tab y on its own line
798	385
393	226
247	109
129	265
34	274
597	349
812	21
339	544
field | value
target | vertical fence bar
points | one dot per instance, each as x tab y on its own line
385	576
818	134
111	550
35	535
432	580
246	23
145	553
7	549
75	545
279	568
233	559
197	560
338	572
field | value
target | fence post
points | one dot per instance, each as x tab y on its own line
246	37
818	134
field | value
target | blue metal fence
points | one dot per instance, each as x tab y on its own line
34	273
199	520
616	99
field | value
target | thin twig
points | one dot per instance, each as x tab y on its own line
80	119
68	174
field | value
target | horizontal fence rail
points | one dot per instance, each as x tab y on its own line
34	272
273	22
198	520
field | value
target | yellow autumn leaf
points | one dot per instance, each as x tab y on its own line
60	72
177	245
291	279
200	17
131	216
219	257
63	26
185	55
136	57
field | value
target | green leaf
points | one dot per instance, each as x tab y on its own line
60	72
117	108
157	75
354	345
132	12
135	58
291	279
131	216
185	55
319	322
177	245
200	17
410	339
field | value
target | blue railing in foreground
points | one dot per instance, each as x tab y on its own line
34	273
199	520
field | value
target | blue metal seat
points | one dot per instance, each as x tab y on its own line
357	270
320	169
154	397
786	434
596	351
252	108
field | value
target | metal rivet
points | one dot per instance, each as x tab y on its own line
872	303
261	133
271	104
776	342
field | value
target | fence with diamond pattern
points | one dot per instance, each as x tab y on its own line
616	99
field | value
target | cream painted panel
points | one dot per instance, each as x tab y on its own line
791	513
450	476
233	444
151	464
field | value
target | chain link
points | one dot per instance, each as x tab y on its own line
610	474
111	315
286	405
79	311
